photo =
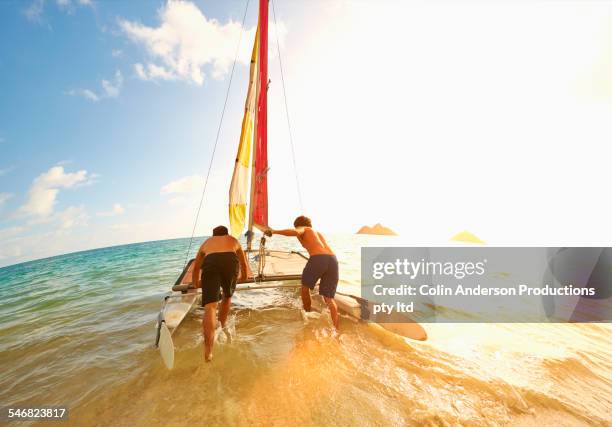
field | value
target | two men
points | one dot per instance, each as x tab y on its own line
221	262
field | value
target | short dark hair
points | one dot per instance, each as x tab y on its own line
220	230
302	221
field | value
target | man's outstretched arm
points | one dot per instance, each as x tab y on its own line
291	232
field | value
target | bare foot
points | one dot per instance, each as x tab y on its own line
208	357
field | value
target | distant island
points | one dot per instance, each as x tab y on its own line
467	237
378	229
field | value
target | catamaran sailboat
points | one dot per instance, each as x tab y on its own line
272	268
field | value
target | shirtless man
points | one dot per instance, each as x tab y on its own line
218	260
321	265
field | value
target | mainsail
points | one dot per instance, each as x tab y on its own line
240	177
259	198
254	124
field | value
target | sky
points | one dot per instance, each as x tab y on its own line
429	117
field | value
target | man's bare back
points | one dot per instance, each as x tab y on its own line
313	241
220	244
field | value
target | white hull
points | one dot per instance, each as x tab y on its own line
177	307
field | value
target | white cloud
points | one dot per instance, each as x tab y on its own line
184	185
153	72
67	3
4	197
34	12
117	53
72	216
110	89
45	188
63	4
10	232
186	41
85	93
5	171
18	248
116	210
140	71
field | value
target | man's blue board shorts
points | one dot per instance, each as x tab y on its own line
324	267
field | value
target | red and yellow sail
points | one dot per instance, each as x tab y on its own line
239	192
254	126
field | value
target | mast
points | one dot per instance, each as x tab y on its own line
258	206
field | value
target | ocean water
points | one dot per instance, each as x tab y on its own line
78	330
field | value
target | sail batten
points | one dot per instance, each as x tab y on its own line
239	191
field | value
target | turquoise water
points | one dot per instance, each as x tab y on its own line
78	330
80	314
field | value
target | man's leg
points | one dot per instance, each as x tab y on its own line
333	310
328	286
306	298
224	310
208	326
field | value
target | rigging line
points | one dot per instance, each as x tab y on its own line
229	85
280	62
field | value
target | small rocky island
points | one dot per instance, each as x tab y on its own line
378	229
